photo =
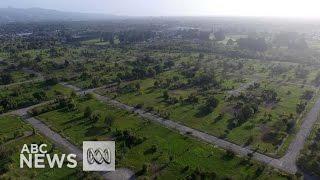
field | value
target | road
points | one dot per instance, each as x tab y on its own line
298	143
57	139
119	174
284	164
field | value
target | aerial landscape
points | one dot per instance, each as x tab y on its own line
182	97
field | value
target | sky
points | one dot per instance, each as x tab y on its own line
273	8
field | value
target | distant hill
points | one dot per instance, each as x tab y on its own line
38	15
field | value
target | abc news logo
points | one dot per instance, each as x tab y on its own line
98	156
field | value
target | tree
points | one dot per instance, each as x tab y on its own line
40	95
204	79
137	86
89	96
95	117
269	96
230	42
38	58
165	95
201	56
95	81
108	121
5	156
151	72
169	63
307	95
208	107
219	35
71	105
145	168
301	107
301	72
87	112
316	80
254	44
192	98
73	94
51	81
6	78
242	111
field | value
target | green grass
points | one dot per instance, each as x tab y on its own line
19	76
185	151
94	42
22	95
149	96
10	125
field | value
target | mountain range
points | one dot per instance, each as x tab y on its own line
38	15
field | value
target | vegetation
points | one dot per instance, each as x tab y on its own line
14	133
19	96
239	82
149	149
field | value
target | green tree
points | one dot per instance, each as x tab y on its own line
73	94
87	112
165	95
6	78
95	117
108	121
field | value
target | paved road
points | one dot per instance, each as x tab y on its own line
286	166
287	163
298	143
57	139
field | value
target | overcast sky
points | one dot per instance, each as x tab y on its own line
283	8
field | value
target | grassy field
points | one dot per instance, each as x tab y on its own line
20	76
19	96
187	114
289	90
163	153
12	130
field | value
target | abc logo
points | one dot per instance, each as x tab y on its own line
98	155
